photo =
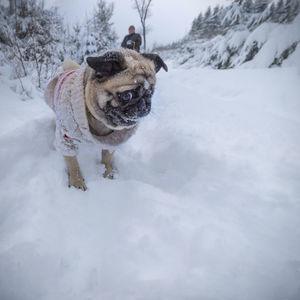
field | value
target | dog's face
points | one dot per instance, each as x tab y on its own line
119	86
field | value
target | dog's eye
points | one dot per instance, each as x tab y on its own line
126	96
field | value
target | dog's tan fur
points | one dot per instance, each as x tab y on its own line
137	70
74	173
97	94
70	64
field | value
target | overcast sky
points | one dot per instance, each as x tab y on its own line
170	19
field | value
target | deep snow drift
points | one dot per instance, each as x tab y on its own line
206	204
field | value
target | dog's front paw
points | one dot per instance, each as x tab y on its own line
77	181
107	161
110	173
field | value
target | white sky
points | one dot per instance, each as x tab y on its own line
170	19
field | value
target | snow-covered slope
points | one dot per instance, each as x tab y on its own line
270	44
206	205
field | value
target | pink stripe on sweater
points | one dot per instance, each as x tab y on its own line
64	77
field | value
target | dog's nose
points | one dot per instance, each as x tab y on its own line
141	105
144	107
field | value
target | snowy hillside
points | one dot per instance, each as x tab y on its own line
206	205
238	36
268	45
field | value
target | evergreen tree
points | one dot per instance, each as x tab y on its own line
295	10
234	15
206	24
291	10
197	25
266	13
279	12
95	35
101	25
260	5
207	13
243	13
211	24
272	9
248	6
215	22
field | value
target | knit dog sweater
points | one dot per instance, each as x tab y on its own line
65	94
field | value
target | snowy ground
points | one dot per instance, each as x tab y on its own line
206	205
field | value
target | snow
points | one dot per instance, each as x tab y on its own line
267	36
205	206
12	118
232	49
293	60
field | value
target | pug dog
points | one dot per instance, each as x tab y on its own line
102	102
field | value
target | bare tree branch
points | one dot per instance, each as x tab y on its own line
143	9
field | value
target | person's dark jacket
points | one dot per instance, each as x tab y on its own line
132	41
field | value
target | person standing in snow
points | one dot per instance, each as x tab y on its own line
132	40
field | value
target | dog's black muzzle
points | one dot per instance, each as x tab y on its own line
133	104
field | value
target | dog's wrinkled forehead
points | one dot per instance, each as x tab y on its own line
136	71
137	65
116	70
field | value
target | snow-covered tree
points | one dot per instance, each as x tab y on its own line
263	11
73	42
260	5
214	24
241	14
94	35
248	6
294	9
288	10
211	23
31	36
197	25
234	14
280	12
221	34
100	26
35	40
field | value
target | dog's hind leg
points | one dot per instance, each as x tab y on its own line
106	160
75	176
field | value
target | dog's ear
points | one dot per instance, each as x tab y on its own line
158	62
108	64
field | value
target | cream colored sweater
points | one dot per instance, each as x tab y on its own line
65	95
